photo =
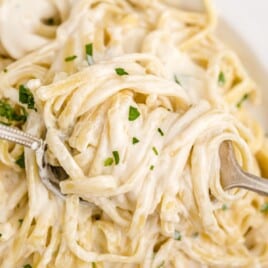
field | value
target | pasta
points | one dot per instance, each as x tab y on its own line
133	99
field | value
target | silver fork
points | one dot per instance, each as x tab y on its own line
49	175
232	176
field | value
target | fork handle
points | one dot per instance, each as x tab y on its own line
20	137
233	176
252	183
241	179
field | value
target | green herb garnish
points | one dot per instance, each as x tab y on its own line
116	157
20	221
89	53
10	113
0	235
20	161
108	161
177	235
121	71
6	110
264	208
94	265
224	207
160	131
245	97
135	140
27	266
5	70
155	151
20	115
177	80
70	58
89	49
133	113
26	97
151	167
221	79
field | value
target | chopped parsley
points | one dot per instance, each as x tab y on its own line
177	235
11	114
116	157
0	235
27	266
135	140
264	208
151	167
26	97
221	79
155	151
177	80
108	161
89	53
121	71
70	58
133	113
5	70
89	49
160	131
20	161
6	110
94	265
20	221
245	97
224	207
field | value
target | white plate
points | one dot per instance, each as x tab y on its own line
243	26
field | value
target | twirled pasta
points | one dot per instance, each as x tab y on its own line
134	99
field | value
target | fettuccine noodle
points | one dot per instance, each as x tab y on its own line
133	98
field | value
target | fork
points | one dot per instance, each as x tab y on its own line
49	175
232	176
